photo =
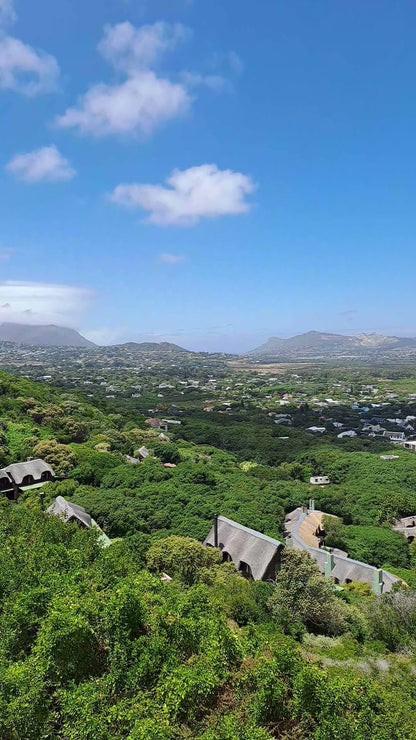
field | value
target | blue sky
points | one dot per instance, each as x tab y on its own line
208	173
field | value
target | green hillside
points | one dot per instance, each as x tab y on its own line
95	646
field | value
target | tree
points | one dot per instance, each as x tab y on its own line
60	457
303	595
181	556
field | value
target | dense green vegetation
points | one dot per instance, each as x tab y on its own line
94	646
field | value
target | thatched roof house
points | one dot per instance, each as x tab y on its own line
255	555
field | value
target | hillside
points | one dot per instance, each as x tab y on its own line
42	336
315	344
94	645
154	347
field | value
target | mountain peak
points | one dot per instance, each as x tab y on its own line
316	343
48	335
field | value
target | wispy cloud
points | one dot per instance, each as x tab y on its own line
26	70
131	49
7	12
213	82
193	194
6	253
171	259
36	303
41	165
349	312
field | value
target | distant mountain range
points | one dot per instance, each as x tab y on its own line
320	344
152	347
59	336
43	336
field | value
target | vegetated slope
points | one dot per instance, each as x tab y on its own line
43	336
315	343
94	646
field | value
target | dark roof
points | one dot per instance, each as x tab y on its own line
68	511
245	545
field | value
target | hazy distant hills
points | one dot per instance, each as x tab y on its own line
160	347
42	336
320	344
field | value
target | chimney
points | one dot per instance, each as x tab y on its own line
329	564
216	530
377	584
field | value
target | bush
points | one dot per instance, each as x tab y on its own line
182	557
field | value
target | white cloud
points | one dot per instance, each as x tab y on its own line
7	11
41	165
171	259
235	62
213	82
144	100
138	105
131	49
25	70
199	192
36	303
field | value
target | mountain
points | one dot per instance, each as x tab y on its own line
152	347
320	344
43	336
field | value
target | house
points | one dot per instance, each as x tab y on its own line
349	433
157	424
16	477
142	453
132	460
316	430
373	428
395	436
70	512
319	480
410	445
304	530
254	554
406	527
163	437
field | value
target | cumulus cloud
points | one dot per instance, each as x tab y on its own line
171	259
37	303
7	12
26	70
143	100
199	192
130	49
138	105
41	165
